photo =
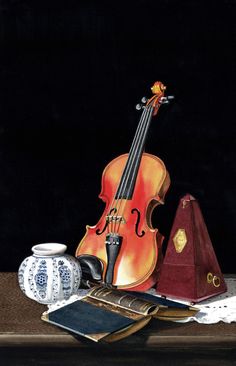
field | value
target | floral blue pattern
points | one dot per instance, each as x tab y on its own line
65	275
41	279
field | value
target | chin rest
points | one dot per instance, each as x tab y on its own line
91	266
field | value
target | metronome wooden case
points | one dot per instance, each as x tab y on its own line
190	270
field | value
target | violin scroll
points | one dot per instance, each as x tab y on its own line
157	99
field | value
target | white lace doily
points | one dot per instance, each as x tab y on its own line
217	308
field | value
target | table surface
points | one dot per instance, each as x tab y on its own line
20	324
25	340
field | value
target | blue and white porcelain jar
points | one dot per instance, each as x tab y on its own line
49	275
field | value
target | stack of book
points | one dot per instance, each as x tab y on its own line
110	315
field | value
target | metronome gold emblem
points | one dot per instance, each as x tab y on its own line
180	240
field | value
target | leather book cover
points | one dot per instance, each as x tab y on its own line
190	269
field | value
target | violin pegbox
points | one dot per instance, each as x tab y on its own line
158	89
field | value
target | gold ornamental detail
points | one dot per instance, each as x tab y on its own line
214	280
180	240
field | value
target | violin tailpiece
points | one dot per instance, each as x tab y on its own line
113	244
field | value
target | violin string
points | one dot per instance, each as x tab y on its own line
123	187
137	158
118	195
139	152
120	191
134	161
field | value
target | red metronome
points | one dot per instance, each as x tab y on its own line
190	270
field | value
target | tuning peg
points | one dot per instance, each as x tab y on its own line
166	100
163	100
139	106
144	100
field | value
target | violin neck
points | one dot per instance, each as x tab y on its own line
128	179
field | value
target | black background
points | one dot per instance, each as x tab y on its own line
71	75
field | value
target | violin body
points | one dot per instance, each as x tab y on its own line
132	185
135	266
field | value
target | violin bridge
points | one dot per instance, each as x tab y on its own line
113	218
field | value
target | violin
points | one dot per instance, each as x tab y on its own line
133	184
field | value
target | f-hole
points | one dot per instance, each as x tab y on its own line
98	232
137	223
